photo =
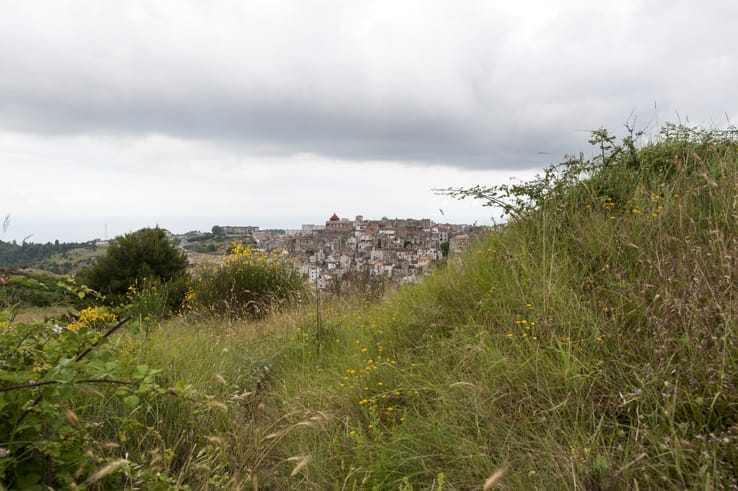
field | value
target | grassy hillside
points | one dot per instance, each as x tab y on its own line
58	258
72	261
589	344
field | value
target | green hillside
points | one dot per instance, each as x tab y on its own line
58	258
590	343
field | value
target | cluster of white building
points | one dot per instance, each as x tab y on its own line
399	250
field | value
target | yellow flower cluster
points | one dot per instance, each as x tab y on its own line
382	402
524	326
189	296
240	250
91	316
652	206
354	378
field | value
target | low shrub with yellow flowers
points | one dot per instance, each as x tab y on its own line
250	284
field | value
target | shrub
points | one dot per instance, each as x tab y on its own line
48	437
250	284
152	300
146	255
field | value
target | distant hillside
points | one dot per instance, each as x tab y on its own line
57	257
70	258
210	243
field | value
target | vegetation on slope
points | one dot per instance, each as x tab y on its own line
591	344
588	344
59	258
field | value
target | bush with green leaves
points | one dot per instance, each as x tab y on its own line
49	375
81	407
250	284
21	289
136	258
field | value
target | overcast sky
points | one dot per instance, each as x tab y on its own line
115	115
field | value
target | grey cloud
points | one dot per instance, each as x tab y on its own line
420	82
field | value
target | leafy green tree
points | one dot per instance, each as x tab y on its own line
444	248
133	258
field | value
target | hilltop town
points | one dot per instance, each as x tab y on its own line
389	249
338	251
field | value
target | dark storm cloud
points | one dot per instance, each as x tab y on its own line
269	127
470	85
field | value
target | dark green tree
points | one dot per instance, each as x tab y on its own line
146	255
444	248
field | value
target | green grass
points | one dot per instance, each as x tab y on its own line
590	344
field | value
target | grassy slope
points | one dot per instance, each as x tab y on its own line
70	262
591	345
